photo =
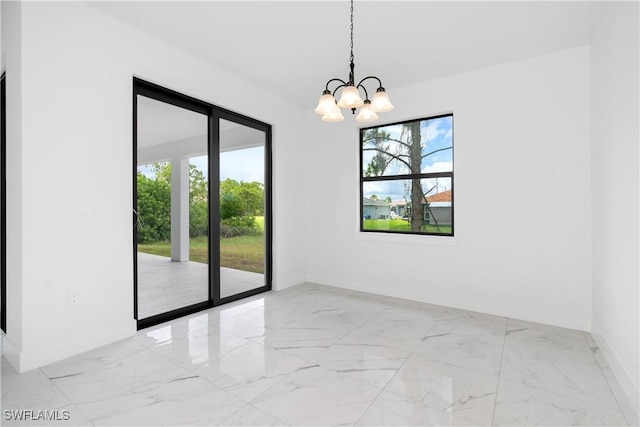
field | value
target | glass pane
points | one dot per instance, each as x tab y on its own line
388	206
242	208
172	207
422	146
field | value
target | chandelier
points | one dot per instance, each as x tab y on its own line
350	98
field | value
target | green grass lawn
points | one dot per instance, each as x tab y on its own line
400	225
241	252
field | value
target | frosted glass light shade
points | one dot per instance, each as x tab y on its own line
366	113
381	102
350	98
335	116
326	104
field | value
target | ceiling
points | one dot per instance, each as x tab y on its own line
292	48
165	131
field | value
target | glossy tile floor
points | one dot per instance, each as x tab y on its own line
316	355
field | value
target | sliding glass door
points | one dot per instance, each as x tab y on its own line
172	208
242	208
202	220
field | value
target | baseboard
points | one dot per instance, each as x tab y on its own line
34	358
627	384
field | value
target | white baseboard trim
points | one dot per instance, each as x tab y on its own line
24	361
628	385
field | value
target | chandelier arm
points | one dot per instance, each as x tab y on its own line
336	89
370	77
366	94
335	80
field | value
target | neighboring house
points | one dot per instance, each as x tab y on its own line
399	207
375	209
439	208
440	205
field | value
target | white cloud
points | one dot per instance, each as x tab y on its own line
434	130
440	184
438	167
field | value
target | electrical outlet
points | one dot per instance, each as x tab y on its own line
73	299
81	207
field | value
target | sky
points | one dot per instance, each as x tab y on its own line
435	134
242	165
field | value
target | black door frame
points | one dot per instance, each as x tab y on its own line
3	201
214	114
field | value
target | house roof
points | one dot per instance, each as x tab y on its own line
368	201
445	196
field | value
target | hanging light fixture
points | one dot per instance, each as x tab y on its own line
350	98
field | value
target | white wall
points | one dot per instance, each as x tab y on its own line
615	154
522	197
76	230
12	57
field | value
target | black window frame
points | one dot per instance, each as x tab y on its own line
364	179
3	201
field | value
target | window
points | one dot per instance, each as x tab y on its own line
406	177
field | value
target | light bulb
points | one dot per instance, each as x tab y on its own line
350	97
335	116
381	102
326	104
366	113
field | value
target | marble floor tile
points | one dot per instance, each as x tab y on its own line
375	371
454	394
389	409
249	370
229	313
120	377
317	396
632	418
167	332
401	330
339	319
31	390
463	351
520	405
471	324
625	405
92	359
522	333
252	416
317	355
193	351
185	401
300	338
556	362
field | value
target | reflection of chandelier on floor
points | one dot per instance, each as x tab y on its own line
350	98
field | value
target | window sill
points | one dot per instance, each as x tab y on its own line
407	238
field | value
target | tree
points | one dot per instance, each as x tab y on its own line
239	202
154	209
248	195
154	203
405	153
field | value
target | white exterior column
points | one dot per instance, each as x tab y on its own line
180	209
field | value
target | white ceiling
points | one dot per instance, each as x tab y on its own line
166	131
292	48
160	123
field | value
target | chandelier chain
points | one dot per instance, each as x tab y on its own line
351	56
